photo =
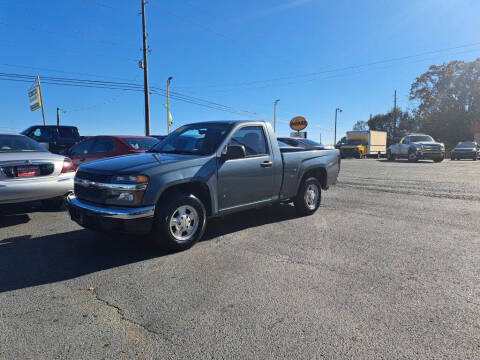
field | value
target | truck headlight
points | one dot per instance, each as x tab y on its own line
126	190
442	147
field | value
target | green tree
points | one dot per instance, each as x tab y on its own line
360	125
403	125
448	98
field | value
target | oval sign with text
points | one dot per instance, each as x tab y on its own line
298	123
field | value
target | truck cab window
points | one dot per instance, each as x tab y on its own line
253	138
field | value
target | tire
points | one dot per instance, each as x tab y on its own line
309	196
452	158
360	155
390	156
53	203
180	223
412	157
475	158
438	160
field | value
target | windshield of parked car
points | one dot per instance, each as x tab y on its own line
19	143
466	144
141	143
311	142
194	139
421	138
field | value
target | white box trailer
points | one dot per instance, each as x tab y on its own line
371	142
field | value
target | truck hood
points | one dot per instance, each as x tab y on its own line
428	143
134	163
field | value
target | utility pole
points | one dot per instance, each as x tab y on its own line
145	71
168	104
335	136
275	115
58	116
41	99
394	114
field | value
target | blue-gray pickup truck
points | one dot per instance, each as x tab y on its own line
199	171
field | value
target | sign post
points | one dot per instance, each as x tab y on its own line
35	98
298	123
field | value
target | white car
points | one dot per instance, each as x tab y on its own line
29	172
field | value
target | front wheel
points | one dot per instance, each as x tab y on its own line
181	223
309	197
438	160
412	156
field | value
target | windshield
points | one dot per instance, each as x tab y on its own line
195	139
19	143
466	144
311	142
354	142
141	143
421	138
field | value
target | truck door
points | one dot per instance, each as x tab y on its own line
248	180
404	145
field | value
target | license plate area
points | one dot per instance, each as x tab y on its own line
28	171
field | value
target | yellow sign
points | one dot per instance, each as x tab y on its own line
298	123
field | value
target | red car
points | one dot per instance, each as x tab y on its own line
99	147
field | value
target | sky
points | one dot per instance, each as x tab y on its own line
313	55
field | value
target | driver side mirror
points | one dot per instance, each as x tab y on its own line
232	152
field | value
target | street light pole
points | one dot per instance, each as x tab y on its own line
168	104
275	115
335	136
145	71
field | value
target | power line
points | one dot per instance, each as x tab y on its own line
125	87
338	69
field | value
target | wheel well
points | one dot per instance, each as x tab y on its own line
200	190
319	173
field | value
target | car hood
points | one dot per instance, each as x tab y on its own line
31	155
428	143
465	148
134	163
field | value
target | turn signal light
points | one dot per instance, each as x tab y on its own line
67	166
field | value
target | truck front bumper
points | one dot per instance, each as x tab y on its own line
431	155
132	220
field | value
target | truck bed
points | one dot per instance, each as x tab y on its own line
296	163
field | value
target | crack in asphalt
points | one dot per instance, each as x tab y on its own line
121	313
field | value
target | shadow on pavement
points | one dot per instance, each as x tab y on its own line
30	261
7	220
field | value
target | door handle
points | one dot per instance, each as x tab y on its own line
266	164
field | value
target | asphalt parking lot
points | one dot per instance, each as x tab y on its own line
388	268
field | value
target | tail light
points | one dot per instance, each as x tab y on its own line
67	166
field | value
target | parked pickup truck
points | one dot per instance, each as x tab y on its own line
415	147
199	171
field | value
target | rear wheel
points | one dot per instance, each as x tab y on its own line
309	197
53	203
181	223
390	156
359	155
